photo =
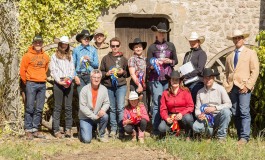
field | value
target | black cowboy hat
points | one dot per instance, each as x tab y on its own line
137	41
161	27
83	34
207	72
174	74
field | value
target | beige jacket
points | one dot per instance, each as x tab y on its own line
246	71
102	51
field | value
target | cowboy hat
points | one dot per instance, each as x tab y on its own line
37	38
195	36
174	74
137	41
133	95
83	34
237	33
161	27
63	39
207	72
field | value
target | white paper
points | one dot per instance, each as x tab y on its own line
190	80
186	68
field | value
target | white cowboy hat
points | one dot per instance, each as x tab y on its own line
133	95
63	39
237	33
195	36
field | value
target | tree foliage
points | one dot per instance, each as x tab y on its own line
258	101
54	18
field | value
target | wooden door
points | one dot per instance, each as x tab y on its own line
127	29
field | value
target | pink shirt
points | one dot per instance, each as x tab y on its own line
131	112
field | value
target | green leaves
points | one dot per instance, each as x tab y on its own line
57	18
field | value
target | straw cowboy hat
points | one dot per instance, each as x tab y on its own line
137	41
237	33
161	27
207	72
85	33
133	95
195	36
63	39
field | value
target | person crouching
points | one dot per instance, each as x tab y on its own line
135	117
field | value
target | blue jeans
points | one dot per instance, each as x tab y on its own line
156	88
84	80
117	104
186	122
241	112
87	125
34	92
221	122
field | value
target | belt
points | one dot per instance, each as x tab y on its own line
82	73
37	82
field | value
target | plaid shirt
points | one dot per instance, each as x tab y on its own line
139	63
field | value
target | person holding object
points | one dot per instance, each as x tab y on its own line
217	105
241	73
161	59
137	69
176	105
62	70
197	57
135	117
94	103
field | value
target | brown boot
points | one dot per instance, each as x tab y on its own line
58	135
29	136
68	133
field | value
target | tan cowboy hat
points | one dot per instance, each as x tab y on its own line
195	36
237	33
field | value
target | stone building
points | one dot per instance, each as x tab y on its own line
212	18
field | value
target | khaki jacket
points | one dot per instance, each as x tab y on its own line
246	71
102	51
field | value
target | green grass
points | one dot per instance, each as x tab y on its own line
204	149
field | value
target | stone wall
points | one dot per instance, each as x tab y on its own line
212	18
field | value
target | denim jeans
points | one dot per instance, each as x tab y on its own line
186	122
117	104
62	96
87	125
241	112
33	114
156	88
84	80
221	122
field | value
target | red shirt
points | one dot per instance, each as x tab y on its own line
179	103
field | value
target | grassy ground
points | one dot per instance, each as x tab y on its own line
168	148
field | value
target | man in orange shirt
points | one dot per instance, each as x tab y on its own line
33	69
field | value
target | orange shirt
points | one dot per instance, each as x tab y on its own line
34	66
94	96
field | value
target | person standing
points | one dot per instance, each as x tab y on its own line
114	68
62	70
137	69
241	73
85	59
163	56
197	57
100	44
33	69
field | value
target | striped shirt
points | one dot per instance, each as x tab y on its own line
61	68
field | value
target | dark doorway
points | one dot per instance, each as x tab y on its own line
128	28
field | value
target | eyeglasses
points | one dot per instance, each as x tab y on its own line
113	46
96	77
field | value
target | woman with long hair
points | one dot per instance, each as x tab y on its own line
62	70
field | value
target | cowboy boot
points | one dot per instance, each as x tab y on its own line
140	135
134	133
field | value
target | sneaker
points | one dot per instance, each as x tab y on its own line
29	136
68	133
141	140
38	134
103	139
58	135
242	141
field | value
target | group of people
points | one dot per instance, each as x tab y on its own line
191	101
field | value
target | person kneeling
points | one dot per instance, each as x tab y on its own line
135	117
212	107
93	102
176	107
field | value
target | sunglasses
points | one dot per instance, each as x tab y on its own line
113	46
